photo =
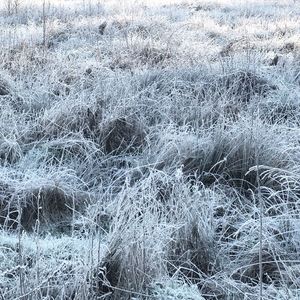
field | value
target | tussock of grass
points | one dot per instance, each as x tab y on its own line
57	38
122	135
38	202
284	110
185	250
241	86
140	55
191	253
48	205
153	56
230	156
114	274
10	151
76	119
9	94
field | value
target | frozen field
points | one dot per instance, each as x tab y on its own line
149	149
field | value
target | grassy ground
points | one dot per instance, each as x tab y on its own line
149	149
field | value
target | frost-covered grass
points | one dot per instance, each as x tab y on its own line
149	149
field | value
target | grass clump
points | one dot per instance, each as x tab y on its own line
239	85
127	269
10	151
39	204
122	135
47	206
50	206
191	253
75	119
230	156
153	56
9	94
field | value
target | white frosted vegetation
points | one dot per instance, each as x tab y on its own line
149	149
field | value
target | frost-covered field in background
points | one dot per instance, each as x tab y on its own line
149	149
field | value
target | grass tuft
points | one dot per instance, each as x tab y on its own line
123	135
